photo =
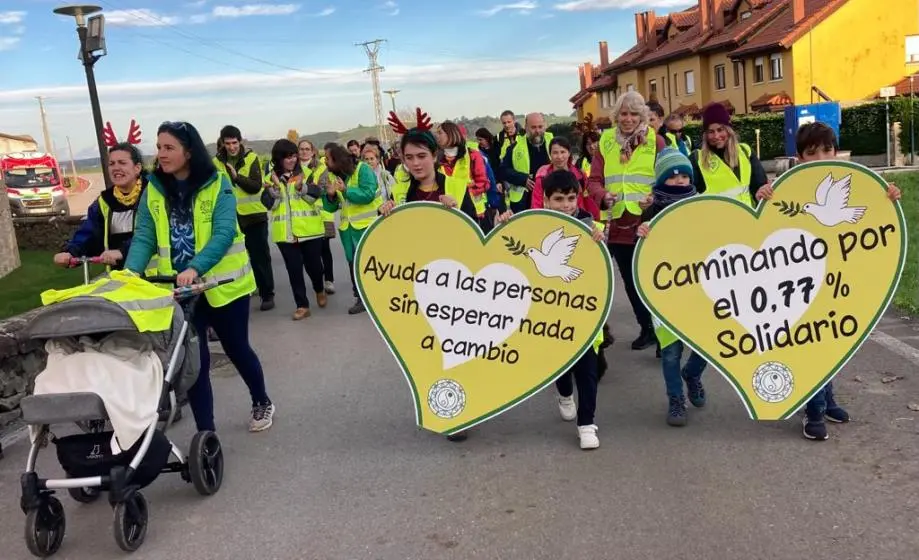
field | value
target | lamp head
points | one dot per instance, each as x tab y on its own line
78	11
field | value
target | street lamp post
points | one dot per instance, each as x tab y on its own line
92	48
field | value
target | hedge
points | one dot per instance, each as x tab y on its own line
900	112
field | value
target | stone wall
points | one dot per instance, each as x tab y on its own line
20	362
46	235
9	251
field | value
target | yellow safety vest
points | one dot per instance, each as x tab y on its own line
454	187
150	307
507	143
359	216
585	167
472	144
401	174
462	172
521	160
297	216
321	169
233	266
246	204
631	181
720	179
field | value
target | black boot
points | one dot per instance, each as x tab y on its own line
645	340
608	338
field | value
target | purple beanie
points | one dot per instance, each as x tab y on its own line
715	113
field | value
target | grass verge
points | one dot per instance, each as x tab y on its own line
22	288
907	296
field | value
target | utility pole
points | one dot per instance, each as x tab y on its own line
392	96
372	48
49	149
73	165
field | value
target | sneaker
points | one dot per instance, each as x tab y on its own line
321	299
815	429
676	413
645	340
836	414
588	436
608	338
357	308
696	391
267	304
458	437
329	287
301	313
262	417
567	408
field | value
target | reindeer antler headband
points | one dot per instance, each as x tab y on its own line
108	134
421	132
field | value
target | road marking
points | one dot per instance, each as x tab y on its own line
896	346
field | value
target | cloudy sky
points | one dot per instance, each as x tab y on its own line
268	66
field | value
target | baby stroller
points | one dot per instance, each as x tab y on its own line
88	460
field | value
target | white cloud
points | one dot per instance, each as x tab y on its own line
140	17
589	5
391	8
196	4
520	7
8	43
12	17
254	10
326	12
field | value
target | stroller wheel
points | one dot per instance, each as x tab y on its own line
84	495
205	463
45	527
130	522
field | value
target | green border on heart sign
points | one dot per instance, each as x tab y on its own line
484	239
755	212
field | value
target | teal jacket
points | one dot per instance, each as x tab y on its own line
363	193
144	244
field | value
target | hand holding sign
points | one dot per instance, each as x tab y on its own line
780	297
478	324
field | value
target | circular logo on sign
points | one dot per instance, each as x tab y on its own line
446	398
772	382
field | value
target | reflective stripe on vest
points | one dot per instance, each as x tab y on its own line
720	179
462	171
521	160
233	266
454	187
631	181
246	204
359	216
150	307
296	217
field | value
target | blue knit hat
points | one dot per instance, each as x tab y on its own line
670	162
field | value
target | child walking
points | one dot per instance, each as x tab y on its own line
674	183
817	142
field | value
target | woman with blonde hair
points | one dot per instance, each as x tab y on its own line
372	155
621	175
723	165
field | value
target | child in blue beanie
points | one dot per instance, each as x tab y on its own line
674	183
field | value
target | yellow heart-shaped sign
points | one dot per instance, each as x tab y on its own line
478	324
777	298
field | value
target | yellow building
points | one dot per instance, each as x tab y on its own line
587	100
763	55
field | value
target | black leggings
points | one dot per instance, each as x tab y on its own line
297	257
327	264
623	255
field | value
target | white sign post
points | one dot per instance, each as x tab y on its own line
912	57
887	93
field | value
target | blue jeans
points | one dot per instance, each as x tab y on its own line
820	402
584	372
671	357
231	323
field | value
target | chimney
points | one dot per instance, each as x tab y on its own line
718	15
581	77
797	10
604	54
651	34
639	30
705	19
588	74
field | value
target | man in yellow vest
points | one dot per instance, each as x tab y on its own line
243	167
510	130
520	163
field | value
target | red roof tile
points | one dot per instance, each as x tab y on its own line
741	28
580	97
686	18
604	82
681	44
771	101
782	31
624	59
903	86
691	110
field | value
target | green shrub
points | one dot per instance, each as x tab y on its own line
900	112
862	130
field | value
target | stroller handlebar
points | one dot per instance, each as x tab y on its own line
189	291
77	261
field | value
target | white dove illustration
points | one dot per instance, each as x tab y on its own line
831	207
552	260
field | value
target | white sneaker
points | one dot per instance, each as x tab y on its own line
588	435
567	408
262	417
329	287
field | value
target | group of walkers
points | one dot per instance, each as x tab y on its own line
197	215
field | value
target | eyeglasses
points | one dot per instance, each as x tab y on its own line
175	125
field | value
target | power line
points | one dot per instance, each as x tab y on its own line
372	48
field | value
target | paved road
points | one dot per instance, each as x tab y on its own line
344	473
81	201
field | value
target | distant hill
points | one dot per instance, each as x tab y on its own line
561	123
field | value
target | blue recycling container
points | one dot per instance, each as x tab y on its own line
829	114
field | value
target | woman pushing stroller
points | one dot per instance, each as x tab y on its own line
186	227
